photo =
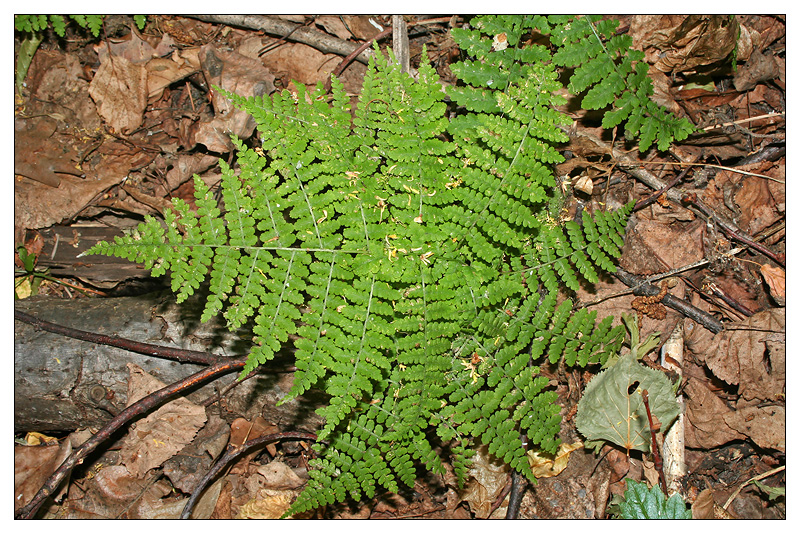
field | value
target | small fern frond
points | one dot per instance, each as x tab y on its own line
611	73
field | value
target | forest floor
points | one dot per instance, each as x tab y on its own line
108	129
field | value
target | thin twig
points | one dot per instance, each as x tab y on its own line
296	32
349	59
757	477
181	355
652	198
733	231
233	453
659	465
742	121
136	409
660	276
642	289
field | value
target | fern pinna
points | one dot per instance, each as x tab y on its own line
418	259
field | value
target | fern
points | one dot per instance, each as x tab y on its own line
424	252
611	73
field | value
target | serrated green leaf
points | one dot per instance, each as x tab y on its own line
643	503
612	408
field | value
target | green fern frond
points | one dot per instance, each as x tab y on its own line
416	259
611	73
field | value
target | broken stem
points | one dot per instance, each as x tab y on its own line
654	445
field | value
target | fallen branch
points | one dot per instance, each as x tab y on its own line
181	355
136	409
640	288
295	32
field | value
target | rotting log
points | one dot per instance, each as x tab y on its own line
61	384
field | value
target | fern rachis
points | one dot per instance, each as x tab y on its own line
424	251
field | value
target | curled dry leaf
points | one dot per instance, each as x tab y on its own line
238	74
488	478
705	413
242	431
752	354
268	504
765	426
545	466
697	40
280	476
775	277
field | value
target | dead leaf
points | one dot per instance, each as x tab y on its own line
757	69
775	277
361	26
333	25
697	40
188	467
238	74
704	415
279	476
301	63
545	466
765	426
652	246
161	72
757	207
120	90
650	473
268	504
704	507
488	478
242	431
33	465
132	48
160	435
746	355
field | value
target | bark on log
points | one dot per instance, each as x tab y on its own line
61	384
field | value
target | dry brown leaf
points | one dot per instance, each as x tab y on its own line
775	277
161	72
279	476
238	74
488	478
268	504
749	355
759	68
704	415
757	206
697	40
544	466
242	431
704	507
301	63
33	465
188	467
653	247
162	434
119	88
334	25
362	26
765	426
